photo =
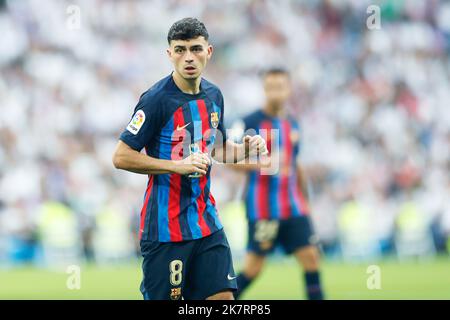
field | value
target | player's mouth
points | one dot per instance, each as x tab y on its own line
190	69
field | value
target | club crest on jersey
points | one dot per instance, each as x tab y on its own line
215	119
136	123
175	293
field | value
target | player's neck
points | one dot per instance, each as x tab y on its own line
274	111
191	86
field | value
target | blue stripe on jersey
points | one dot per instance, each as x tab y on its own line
212	140
295	210
295	207
214	131
151	219
185	201
297	146
195	182
212	211
186	191
197	121
274	180
216	109
251	197
165	150
206	216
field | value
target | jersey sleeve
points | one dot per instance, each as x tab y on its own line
145	122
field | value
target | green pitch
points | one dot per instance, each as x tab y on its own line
280	280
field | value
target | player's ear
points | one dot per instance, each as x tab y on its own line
169	53
210	51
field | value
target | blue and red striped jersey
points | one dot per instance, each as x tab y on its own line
275	196
166	123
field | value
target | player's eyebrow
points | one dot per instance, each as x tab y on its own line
196	46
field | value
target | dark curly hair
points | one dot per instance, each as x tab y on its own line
186	29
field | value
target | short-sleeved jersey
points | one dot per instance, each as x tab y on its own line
166	123
276	196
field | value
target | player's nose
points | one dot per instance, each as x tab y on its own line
188	57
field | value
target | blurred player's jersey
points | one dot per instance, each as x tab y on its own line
166	122
276	196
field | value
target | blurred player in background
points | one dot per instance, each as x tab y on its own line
276	205
179	122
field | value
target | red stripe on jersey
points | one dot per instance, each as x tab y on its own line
284	184
201	201
175	179
267	125
144	207
211	198
262	181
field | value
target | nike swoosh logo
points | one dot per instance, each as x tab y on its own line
230	277
181	128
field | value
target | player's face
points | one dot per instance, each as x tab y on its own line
189	57
277	88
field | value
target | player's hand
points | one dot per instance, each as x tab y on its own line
255	145
195	163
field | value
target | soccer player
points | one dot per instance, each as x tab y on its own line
179	122
276	205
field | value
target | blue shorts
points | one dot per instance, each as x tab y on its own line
291	234
190	270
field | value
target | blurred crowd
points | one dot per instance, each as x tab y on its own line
372	105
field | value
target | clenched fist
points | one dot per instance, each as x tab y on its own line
195	163
255	145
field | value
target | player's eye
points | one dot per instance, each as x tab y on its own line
197	49
179	50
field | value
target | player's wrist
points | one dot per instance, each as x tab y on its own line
174	166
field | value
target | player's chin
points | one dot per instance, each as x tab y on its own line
191	76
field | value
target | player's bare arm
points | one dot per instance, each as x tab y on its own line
232	152
126	158
257	163
263	160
